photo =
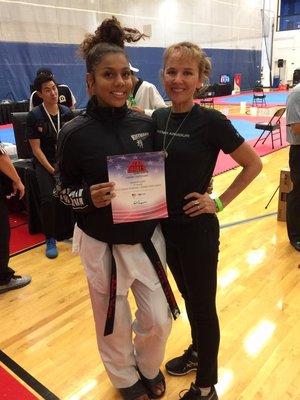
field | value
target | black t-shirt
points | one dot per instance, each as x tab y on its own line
38	126
2	176
193	151
64	97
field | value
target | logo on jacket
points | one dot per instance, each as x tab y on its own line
139	138
136	167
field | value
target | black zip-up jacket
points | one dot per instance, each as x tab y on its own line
83	145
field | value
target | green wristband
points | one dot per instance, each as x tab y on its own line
218	204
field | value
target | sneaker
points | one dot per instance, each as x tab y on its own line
194	393
15	282
51	249
184	364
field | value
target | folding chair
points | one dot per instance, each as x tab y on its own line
273	128
259	98
19	125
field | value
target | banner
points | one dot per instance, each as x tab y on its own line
237	81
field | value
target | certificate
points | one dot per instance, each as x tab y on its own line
139	186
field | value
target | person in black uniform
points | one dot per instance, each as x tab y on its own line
10	183
43	125
65	95
122	256
192	137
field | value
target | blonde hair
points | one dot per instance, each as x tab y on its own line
191	50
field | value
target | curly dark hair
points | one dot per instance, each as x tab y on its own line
109	37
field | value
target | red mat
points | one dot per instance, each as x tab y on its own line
12	389
20	238
225	162
6	126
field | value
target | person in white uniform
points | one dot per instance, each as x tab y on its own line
146	96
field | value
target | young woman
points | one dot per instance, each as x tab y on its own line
191	137
116	257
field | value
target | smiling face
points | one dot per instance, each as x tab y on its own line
181	79
111	81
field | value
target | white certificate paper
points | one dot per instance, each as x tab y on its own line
139	186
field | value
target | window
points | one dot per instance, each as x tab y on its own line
289	17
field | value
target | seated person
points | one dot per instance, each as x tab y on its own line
145	97
42	127
65	95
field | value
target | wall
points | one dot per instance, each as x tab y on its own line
286	46
47	34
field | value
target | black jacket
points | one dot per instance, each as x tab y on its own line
83	145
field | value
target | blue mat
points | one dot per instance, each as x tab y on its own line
7	135
245	128
271	98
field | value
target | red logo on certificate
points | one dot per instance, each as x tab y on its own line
136	167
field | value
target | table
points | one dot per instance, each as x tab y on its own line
7	108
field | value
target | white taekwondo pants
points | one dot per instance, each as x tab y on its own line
120	352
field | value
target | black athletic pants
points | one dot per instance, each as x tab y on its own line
293	198
46	185
5	272
192	256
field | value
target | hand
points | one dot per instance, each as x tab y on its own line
18	187
102	193
200	204
138	109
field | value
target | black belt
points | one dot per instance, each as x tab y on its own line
153	256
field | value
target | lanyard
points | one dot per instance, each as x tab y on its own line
51	120
167	144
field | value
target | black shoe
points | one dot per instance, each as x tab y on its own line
296	245
184	364
195	394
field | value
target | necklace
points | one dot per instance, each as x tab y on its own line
167	145
51	120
